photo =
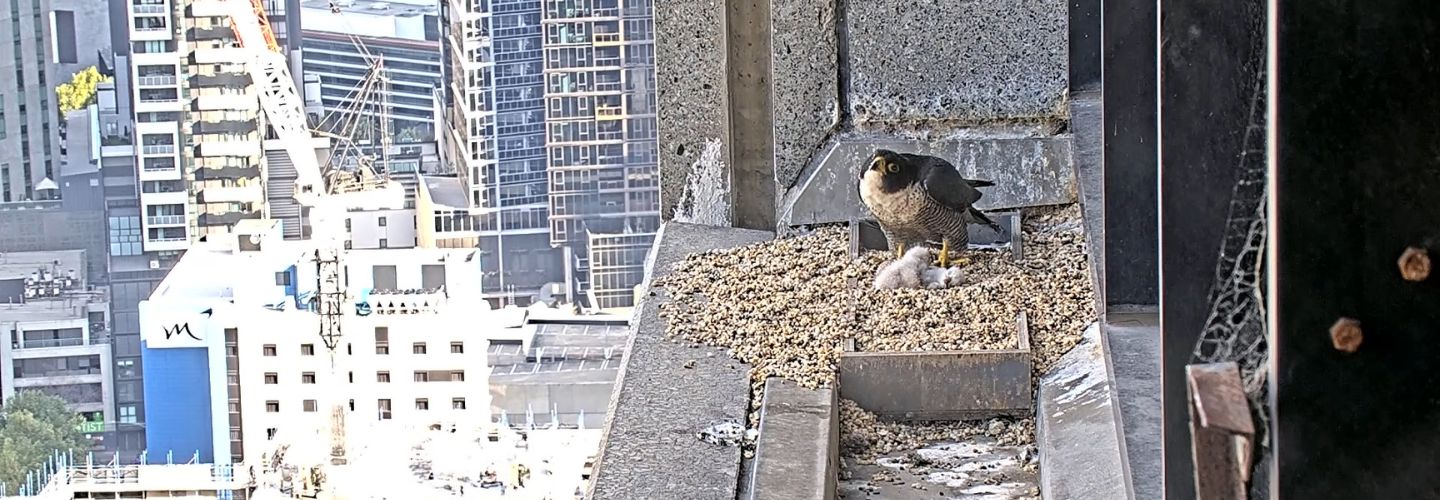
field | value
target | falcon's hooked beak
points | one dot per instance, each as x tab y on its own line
879	163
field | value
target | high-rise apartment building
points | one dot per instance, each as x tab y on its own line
552	117
497	143
44	50
602	143
197	117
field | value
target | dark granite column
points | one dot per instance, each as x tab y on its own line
1084	44
1131	240
1357	178
1212	187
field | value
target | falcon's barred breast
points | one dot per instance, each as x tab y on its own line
918	199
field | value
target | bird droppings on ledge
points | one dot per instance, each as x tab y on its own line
728	433
983	459
787	306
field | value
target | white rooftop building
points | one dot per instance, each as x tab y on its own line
235	366
55	336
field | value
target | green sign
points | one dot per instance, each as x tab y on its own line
92	427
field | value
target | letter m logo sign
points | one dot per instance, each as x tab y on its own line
179	329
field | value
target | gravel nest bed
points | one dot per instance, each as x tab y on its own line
786	306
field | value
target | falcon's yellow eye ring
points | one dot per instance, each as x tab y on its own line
893	168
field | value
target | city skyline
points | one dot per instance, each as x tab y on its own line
176	150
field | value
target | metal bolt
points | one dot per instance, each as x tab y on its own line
1346	335
1415	264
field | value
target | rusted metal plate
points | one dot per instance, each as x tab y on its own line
1220	430
941	385
1219	397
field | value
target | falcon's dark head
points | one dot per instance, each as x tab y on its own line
896	170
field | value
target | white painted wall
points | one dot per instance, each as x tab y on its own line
398	231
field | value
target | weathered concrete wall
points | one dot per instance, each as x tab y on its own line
966	60
804	59
840	71
690	89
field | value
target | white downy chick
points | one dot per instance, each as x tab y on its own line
937	278
906	272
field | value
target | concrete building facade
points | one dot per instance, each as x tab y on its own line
45	49
552	128
198	124
56	338
242	369
601	142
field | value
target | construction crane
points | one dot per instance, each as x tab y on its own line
327	195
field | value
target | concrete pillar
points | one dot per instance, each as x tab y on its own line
752	146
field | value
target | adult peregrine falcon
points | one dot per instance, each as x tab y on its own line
918	198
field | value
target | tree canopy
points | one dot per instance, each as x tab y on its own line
33	426
80	91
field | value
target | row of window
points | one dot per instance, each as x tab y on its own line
381	347
312	406
272	378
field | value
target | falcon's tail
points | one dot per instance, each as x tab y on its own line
979	183
981	218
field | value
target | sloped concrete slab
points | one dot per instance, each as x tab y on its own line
1026	171
797	453
1080	445
1132	345
667	392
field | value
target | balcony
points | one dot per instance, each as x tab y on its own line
228	148
156	81
609	112
148	8
208	174
212	33
236	127
227	219
166	244
165	220
53	343
157	150
221	80
116	140
232	194
215	102
607	39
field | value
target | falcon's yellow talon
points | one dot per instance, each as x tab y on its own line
944	253
899	250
